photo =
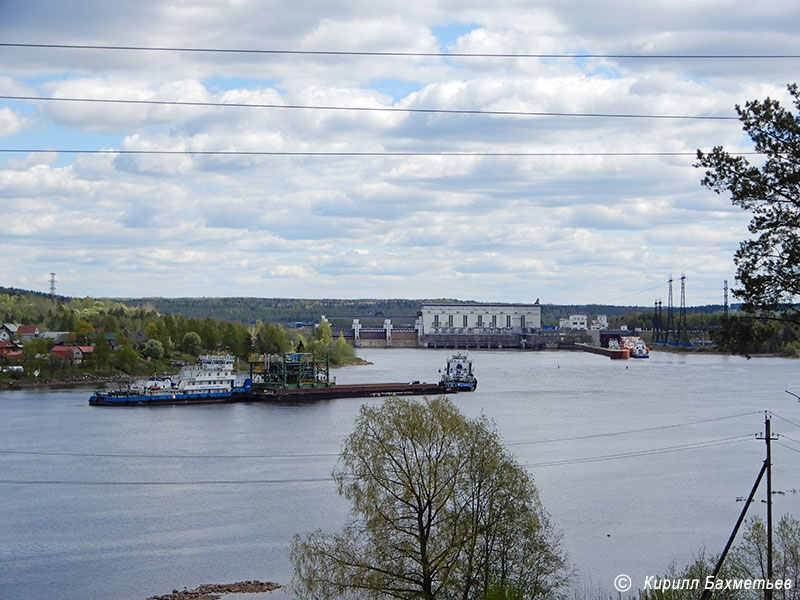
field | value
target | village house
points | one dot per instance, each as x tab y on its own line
10	349
26	333
76	353
8	331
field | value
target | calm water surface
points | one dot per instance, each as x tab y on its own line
123	503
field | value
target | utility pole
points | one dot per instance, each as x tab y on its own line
767	437
766	468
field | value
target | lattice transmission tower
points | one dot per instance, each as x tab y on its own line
658	326
669	333
683	325
725	300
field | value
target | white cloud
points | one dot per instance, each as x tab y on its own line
563	228
11	122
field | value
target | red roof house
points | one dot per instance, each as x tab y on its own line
76	353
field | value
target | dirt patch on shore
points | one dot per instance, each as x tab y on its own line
214	591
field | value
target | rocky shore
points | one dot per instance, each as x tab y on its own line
215	591
74	381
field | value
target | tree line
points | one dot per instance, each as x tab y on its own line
137	340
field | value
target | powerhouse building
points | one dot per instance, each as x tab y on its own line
479	325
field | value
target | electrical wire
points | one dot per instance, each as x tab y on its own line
159	483
655	287
181	456
786	437
641	430
784	419
348	154
787	447
634	454
512	113
406	54
638	453
333	455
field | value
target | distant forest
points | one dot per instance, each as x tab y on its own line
341	312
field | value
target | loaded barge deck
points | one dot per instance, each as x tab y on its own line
356	390
612	353
352	390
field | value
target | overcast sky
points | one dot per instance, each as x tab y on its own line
565	229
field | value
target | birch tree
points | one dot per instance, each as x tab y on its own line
439	511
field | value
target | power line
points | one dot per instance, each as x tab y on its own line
407	54
788	447
334	454
393	109
346	154
785	419
638	453
641	430
639	292
786	437
191	483
188	456
635	454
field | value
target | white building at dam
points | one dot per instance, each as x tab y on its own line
480	325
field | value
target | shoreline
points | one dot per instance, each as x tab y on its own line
210	591
67	382
91	379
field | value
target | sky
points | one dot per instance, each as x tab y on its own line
561	220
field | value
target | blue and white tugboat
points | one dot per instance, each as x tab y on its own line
459	374
210	381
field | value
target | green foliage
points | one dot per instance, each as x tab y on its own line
440	510
83	331
702	567
502	592
749	557
153	349
323	332
126	359
272	338
746	560
102	352
191	343
768	265
340	352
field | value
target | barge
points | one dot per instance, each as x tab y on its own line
285	377
612	353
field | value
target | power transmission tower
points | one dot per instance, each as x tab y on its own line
682	336
725	301
658	328
670	328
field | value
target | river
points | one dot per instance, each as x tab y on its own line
638	462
